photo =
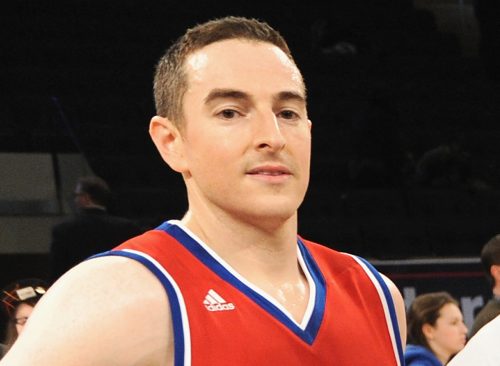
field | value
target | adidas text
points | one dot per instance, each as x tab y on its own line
220	307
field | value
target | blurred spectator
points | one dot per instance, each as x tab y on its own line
92	230
490	257
18	300
448	166
436	330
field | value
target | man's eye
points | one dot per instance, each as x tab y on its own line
288	114
228	113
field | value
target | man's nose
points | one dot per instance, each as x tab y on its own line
268	132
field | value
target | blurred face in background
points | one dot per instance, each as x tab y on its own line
21	315
449	334
80	197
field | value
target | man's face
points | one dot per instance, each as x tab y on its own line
246	136
79	197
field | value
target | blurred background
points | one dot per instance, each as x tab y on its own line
403	95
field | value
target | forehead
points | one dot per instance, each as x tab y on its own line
449	310
24	310
242	64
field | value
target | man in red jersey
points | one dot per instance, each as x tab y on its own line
231	283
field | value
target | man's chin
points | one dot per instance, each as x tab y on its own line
270	216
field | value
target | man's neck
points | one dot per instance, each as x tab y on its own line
496	291
266	258
248	248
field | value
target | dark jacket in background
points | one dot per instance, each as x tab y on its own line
89	232
489	312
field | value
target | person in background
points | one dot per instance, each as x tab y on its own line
482	349
231	283
436	330
18	300
490	258
92	230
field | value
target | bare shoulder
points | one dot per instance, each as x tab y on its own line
399	305
105	311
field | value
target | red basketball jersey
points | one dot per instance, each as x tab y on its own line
219	318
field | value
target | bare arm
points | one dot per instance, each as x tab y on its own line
106	311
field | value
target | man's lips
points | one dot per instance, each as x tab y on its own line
269	170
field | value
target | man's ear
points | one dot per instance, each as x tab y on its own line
495	271
168	140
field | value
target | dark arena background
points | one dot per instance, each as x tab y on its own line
404	97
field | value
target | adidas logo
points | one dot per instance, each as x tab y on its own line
214	302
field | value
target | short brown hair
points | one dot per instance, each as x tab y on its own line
490	255
425	310
97	188
170	80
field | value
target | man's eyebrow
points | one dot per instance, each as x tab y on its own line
226	94
290	95
238	94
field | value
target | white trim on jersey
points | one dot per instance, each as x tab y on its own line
312	291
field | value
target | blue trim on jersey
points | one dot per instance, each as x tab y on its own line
175	308
309	334
320	298
390	305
